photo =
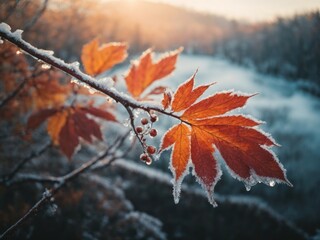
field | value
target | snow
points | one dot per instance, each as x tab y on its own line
5	27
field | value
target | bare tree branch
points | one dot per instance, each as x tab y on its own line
37	15
11	10
59	183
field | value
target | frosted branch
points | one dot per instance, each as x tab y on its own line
60	182
73	70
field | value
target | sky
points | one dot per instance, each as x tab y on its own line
250	10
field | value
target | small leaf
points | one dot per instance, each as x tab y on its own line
166	101
68	138
144	72
55	123
97	112
99	59
157	91
37	118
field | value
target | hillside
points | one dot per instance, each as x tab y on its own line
165	26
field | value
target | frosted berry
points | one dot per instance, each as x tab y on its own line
139	129
148	161
144	121
151	149
153	132
153	118
144	157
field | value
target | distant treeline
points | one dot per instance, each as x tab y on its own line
288	47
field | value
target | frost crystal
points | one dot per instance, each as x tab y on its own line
5	27
136	112
92	91
131	135
176	192
126	122
75	65
45	66
106	82
17	34
1	41
272	183
18	52
47	52
75	80
52	209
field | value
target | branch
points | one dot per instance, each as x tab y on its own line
11	10
36	16
59	183
72	69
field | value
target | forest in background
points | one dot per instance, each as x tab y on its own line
287	47
65	28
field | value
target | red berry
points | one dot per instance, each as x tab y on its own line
148	161
144	157
153	132
139	129
153	118
151	149
144	121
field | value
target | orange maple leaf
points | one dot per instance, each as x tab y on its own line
68	124
144	72
99	59
180	101
205	130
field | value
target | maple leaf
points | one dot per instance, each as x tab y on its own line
180	101
99	59
205	130
167	98
144	72
68	124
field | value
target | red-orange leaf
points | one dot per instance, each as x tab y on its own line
166	101
99	59
205	165
68	138
39	117
67	125
244	148
144	72
97	112
185	95
55	123
157	90
234	120
217	104
179	136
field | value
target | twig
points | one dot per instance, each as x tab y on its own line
60	182
143	145
36	16
74	71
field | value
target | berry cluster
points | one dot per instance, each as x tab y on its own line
147	130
